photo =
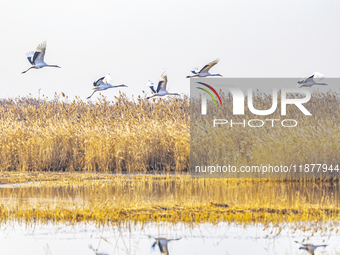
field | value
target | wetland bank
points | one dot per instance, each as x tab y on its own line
121	169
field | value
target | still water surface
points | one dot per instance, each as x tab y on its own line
133	238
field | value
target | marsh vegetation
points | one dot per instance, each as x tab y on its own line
137	135
115	199
126	163
125	135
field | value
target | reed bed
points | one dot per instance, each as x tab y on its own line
129	135
115	199
106	136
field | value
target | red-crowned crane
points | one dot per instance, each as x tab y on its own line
204	72
37	58
103	83
161	88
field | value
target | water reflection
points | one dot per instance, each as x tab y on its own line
236	193
162	244
96	251
223	238
310	248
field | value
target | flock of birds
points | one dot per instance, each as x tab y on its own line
36	60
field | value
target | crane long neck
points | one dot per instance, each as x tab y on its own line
52	66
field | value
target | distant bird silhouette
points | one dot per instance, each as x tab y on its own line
310	248
311	80
103	83
37	58
204	72
162	244
161	88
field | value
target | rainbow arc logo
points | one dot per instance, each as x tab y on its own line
209	93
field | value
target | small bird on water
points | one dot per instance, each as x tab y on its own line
103	83
37	58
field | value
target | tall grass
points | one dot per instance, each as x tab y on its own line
120	135
140	135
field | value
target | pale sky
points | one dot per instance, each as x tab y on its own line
137	40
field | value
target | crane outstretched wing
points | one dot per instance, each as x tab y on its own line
39	53
107	79
30	57
99	81
310	78
103	80
317	77
162	82
151	86
207	67
195	70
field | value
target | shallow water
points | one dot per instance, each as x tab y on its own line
161	191
133	239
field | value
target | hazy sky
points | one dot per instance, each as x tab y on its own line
137	40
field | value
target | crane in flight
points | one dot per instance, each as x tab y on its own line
103	83
161	88
204	72
312	80
37	58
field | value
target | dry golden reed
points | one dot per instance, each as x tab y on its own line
124	135
140	135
